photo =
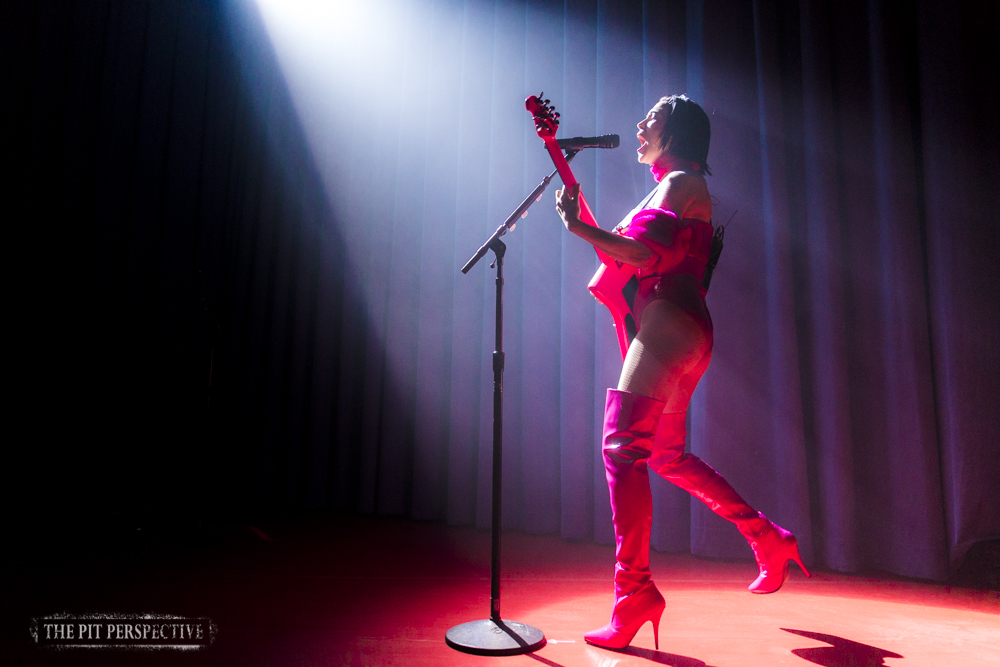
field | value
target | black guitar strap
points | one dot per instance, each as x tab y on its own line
624	223
713	255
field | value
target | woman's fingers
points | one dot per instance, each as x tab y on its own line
566	204
568	194
571	193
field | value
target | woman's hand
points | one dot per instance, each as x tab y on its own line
568	206
617	246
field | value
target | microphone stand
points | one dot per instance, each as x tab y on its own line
519	212
494	636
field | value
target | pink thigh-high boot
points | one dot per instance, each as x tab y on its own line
630	422
773	546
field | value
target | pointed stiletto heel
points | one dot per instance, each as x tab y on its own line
773	548
798	560
630	614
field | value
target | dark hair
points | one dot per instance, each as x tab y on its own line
688	124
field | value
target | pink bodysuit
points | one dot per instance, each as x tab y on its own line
676	269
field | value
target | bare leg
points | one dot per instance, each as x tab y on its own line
668	356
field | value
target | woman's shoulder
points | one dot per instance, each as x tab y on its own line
684	183
684	193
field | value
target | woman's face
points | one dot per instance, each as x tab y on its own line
649	135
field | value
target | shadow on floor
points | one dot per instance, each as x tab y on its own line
842	652
544	661
662	658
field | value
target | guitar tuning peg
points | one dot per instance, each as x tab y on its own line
557	114
546	101
541	95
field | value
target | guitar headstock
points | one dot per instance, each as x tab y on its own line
545	116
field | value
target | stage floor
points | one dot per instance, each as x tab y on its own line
371	591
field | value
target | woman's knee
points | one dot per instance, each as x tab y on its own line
669	442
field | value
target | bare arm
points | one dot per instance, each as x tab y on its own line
618	247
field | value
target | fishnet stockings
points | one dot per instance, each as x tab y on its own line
669	355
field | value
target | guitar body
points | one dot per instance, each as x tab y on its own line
615	284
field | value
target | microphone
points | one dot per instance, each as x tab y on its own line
576	143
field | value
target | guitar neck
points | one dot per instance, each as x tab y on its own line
569	180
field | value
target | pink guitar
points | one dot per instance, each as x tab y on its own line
615	284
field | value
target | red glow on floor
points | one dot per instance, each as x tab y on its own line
384	592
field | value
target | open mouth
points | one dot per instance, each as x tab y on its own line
642	143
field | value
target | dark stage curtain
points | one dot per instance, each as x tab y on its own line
235	285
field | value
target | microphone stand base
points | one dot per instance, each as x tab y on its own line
495	637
